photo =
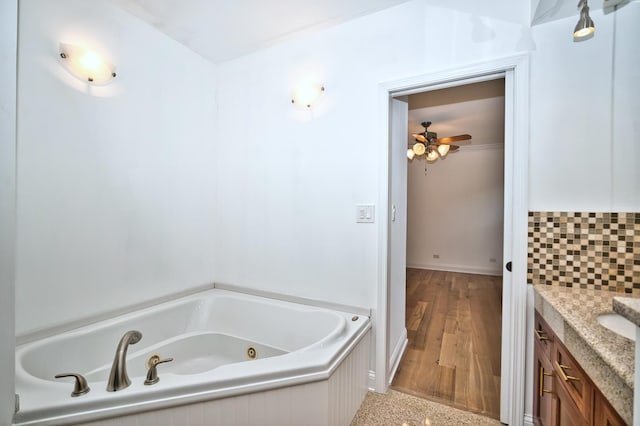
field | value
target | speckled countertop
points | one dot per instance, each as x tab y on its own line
628	307
605	356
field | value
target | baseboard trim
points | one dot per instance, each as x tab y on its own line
527	420
457	268
396	355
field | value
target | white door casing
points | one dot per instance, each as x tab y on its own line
397	337
515	70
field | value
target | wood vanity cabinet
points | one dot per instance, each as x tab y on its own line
564	395
543	400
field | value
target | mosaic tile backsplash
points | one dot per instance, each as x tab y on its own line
586	250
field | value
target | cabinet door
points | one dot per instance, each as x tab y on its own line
543	335
574	381
604	414
543	388
566	412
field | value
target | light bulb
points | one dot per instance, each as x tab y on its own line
91	61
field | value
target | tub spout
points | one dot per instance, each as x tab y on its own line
118	378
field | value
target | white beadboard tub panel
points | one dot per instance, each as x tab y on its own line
332	402
348	385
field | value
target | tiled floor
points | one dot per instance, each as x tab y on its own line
399	409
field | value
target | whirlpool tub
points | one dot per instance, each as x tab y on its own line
237	359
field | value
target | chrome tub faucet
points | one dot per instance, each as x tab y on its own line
118	378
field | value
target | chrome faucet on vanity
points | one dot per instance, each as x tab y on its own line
118	378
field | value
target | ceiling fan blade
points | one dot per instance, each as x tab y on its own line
419	137
454	138
453	148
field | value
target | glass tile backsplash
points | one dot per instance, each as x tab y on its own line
585	249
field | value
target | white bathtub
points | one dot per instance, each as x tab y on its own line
208	335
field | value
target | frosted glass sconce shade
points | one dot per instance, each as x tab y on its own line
306	94
86	64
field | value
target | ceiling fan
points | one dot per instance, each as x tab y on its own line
428	143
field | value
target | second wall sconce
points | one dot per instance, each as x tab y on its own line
307	94
87	64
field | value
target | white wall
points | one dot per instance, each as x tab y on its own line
585	115
456	211
292	178
115	183
8	46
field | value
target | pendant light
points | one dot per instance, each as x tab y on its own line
585	27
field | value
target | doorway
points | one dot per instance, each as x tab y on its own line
391	337
454	249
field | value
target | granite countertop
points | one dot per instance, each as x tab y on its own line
628	307
606	357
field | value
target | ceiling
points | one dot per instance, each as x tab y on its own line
552	10
220	30
476	109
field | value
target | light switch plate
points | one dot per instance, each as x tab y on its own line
365	213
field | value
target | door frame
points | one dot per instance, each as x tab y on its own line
514	311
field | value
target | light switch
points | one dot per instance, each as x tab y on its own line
365	214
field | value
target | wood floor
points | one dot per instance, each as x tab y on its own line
454	330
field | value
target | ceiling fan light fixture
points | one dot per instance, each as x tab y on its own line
443	149
419	148
410	154
419	137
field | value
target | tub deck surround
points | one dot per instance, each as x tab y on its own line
208	335
629	308
607	357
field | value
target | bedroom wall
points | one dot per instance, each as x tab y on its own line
455	208
115	183
456	211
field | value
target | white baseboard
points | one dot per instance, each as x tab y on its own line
497	271
396	355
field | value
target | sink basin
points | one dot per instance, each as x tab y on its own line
618	324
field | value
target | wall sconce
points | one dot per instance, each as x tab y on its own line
307	93
86	64
585	27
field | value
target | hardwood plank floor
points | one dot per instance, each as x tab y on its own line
454	326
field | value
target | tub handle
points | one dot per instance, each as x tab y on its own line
152	374
80	387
